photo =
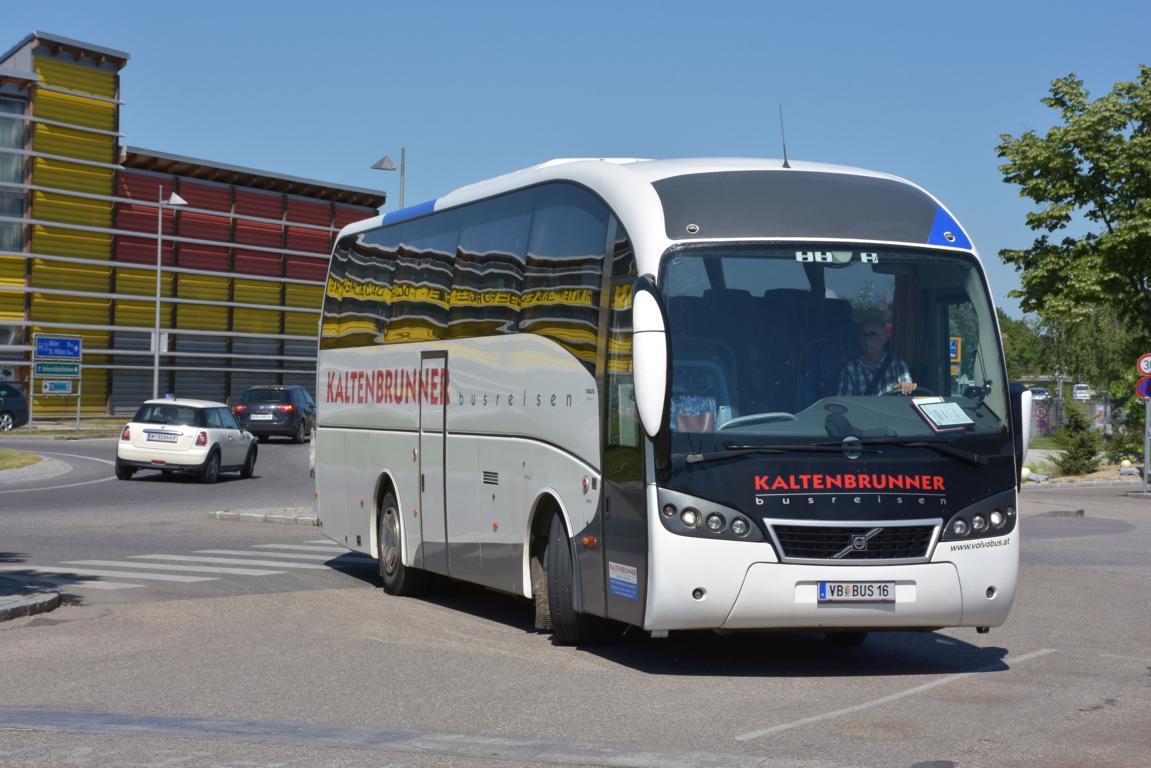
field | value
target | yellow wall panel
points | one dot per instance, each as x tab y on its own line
142	314
142	282
256	321
75	277
202	287
256	292
60	174
74	110
11	306
70	242
75	77
69	309
54	140
199	317
310	296
11	270
71	210
301	324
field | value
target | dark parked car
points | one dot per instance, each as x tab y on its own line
277	410
13	408
1040	395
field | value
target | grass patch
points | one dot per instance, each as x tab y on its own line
1045	443
16	459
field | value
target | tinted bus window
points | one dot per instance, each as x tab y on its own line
422	286
489	277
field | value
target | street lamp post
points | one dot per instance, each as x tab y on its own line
173	200
385	164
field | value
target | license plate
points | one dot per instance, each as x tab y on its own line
163	437
260	417
857	591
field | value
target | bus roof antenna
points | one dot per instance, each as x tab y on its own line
783	137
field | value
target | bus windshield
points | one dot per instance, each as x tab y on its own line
808	343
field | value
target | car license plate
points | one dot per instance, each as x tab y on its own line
163	437
857	591
261	417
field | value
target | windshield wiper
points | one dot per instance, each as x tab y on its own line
745	450
945	448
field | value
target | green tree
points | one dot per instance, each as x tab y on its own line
1093	170
1080	443
1025	350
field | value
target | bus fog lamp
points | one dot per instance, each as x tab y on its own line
669	510
715	522
691	517
979	523
960	527
740	527
997	518
1010	512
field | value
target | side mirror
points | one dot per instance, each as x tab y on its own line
1020	421
649	349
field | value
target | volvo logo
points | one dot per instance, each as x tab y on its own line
858	543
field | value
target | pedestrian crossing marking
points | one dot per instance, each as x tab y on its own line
266	563
173	567
289	555
302	548
114	574
66	585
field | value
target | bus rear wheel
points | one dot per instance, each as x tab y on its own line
398	578
568	626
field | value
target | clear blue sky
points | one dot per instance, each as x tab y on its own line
323	89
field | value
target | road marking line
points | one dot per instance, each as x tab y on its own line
302	548
320	541
173	567
287	555
887	699
95	572
109	462
58	487
233	560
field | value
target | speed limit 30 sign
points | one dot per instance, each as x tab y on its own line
1144	365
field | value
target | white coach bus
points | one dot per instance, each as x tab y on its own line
696	394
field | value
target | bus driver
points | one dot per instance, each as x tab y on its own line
875	371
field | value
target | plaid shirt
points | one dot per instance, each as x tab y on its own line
857	376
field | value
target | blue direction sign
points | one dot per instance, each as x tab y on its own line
1144	387
59	347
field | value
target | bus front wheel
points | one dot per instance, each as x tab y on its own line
569	627
398	578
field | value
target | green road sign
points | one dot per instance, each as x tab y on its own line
57	369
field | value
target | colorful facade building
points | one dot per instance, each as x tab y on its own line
84	221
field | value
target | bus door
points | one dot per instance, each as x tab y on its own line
433	511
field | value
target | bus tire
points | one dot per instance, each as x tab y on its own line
398	579
568	626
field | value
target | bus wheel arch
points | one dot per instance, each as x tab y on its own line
545	508
555	576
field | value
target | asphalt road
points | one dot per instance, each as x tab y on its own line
319	667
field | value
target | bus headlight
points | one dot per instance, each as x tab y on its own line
740	526
715	522
997	519
979	523
959	527
690	517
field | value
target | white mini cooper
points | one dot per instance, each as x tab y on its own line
193	436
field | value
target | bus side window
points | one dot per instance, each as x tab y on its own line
489	276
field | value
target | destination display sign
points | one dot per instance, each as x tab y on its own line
58	369
59	347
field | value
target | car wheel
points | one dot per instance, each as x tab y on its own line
398	578
123	472
249	464
300	431
7	421
211	471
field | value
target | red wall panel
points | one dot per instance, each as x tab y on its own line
303	268
256	263
303	212
265	205
139	218
204	257
346	214
139	251
258	233
204	226
140	187
206	196
308	240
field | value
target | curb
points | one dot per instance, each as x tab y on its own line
15	607
261	517
1086	484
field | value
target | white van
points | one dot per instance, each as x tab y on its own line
1082	392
